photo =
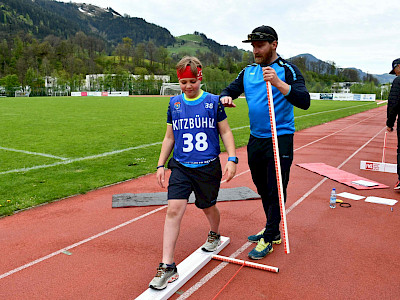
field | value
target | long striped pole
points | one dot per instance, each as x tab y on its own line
384	148
277	166
246	263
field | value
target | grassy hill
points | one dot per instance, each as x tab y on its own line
188	44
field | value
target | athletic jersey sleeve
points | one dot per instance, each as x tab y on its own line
221	115
169	115
235	88
298	94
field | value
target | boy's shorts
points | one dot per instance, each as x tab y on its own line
203	181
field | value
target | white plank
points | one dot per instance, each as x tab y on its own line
186	269
379	200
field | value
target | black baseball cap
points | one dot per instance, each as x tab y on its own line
394	65
262	33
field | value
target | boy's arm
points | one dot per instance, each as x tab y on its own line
229	143
166	149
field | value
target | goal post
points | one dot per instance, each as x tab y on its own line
170	89
22	94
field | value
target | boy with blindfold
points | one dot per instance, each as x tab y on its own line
195	120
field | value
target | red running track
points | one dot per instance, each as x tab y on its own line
342	253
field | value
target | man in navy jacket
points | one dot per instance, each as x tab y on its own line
393	110
288	89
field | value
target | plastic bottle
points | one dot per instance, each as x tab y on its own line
332	201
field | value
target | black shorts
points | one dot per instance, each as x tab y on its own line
203	181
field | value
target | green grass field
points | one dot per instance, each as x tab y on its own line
55	147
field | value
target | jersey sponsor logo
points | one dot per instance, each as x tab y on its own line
190	123
177	105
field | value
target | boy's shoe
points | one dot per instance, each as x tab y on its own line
213	241
256	237
164	276
261	250
397	186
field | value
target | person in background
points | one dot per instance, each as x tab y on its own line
393	111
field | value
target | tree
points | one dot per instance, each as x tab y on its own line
10	84
162	55
351	75
139	55
151	50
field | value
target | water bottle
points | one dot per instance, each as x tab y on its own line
332	201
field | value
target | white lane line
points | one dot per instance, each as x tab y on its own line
336	132
30	264
65	162
341	165
33	153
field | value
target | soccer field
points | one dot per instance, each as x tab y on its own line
55	147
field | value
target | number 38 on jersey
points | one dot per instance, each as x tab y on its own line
198	142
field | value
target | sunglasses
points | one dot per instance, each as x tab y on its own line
259	36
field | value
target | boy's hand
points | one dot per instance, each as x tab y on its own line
227	101
230	170
161	177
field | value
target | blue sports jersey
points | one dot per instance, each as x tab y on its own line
250	81
194	123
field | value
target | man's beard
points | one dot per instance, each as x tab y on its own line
265	59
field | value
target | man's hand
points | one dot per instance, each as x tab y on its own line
269	74
227	101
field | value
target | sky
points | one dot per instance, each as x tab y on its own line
363	34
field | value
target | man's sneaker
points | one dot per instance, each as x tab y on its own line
256	237
213	241
164	276
397	186
261	250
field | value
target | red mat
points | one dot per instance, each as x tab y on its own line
341	176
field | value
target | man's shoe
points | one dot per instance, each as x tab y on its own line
213	241
261	250
397	186
164	276
256	237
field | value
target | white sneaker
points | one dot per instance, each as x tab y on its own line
164	276
213	241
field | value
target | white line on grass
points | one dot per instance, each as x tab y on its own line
65	162
215	270
327	111
33	153
68	161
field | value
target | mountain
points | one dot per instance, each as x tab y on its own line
382	78
47	17
319	66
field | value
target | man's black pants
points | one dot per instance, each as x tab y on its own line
262	167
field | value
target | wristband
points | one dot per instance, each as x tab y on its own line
234	159
162	166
